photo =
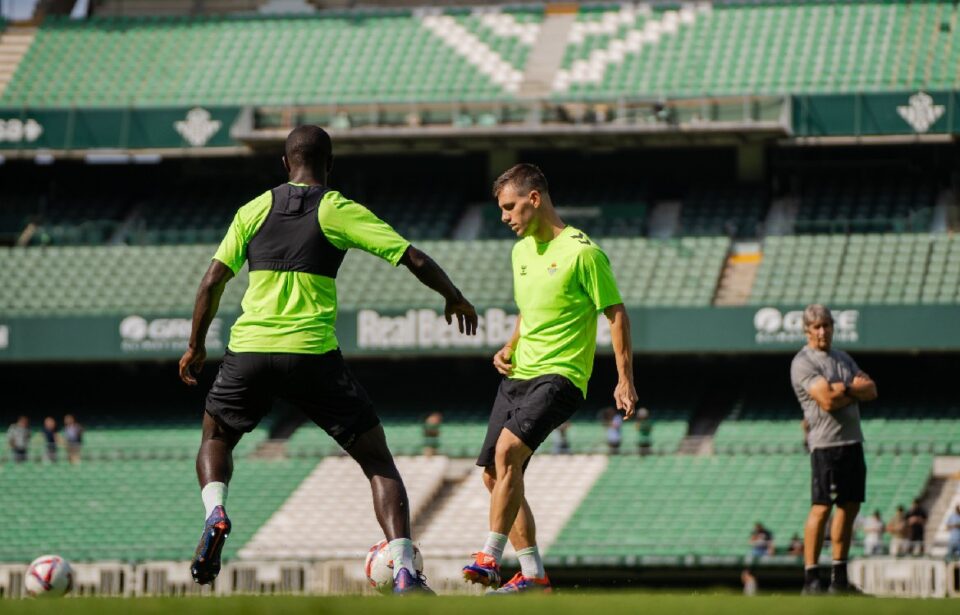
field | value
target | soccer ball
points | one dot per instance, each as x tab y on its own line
379	566
48	576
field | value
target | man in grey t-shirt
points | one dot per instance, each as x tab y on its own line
830	387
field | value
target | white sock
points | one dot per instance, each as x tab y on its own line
494	545
213	495
530	563
401	552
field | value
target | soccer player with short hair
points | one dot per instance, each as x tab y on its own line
830	386
562	279
294	238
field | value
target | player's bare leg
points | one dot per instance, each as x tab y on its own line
841	535
390	504
523	534
214	470
812	543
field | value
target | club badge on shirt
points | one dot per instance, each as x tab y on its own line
552	269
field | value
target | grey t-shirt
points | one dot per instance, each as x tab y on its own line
835	428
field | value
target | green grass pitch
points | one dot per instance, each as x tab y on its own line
568	602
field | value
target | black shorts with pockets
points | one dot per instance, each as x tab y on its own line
839	474
529	409
321	386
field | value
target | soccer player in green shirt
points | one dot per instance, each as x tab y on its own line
561	280
294	238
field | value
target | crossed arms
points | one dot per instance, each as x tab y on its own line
832	396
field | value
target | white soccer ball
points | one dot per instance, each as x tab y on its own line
48	576
379	566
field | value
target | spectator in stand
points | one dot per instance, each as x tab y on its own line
613	423
18	438
51	439
916	520
761	541
644	432
561	442
431	433
953	526
73	434
796	545
873	534
897	528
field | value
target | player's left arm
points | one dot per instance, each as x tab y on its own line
625	394
205	308
596	278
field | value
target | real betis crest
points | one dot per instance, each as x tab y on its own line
921	113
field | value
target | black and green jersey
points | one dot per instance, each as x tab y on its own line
560	286
291	303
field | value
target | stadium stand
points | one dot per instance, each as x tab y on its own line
765	423
722	210
892	268
757	48
107	502
773	489
458	527
432	55
386	56
105	279
855	206
311	505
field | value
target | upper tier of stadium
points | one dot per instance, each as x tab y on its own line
628	50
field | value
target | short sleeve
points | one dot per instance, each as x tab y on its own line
854	368
803	373
596	278
347	224
233	249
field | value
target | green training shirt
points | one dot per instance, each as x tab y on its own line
559	287
296	312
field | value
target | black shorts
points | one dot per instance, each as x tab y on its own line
530	410
319	385
839	474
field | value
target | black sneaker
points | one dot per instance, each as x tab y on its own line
206	561
813	588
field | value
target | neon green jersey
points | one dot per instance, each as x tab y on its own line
296	312
559	287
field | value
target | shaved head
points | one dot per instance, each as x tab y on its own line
309	147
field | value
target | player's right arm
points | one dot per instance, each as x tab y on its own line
226	263
205	308
502	360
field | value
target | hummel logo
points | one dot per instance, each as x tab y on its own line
523	270
579	237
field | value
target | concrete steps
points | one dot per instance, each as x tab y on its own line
14	43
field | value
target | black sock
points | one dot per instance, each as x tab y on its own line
811	574
838	576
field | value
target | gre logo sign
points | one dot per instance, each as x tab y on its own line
137	334
775	327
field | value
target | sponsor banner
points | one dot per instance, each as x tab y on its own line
165	335
117	129
427	329
421	332
774	326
